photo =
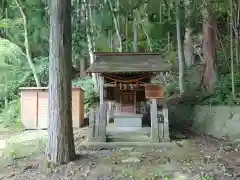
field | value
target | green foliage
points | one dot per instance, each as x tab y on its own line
223	89
10	115
159	25
91	97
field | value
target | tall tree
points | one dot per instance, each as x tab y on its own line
135	31
209	46
231	41
180	48
60	147
188	41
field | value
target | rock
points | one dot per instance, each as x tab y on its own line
131	160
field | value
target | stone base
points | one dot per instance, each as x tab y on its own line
97	139
113	145
166	139
154	140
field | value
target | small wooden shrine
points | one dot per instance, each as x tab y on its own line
125	78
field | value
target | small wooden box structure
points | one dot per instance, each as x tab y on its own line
34	107
154	91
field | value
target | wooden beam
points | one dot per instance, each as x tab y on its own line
113	85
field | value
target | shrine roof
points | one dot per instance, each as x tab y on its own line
110	62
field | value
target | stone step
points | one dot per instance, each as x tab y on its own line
128	138
127	134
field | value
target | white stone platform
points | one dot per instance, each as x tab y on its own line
128	121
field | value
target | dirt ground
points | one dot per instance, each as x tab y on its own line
196	158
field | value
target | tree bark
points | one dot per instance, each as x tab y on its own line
209	47
117	26
188	41
86	8
82	66
232	49
60	147
135	31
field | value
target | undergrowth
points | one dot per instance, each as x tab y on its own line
10	115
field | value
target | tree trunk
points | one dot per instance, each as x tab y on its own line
141	22
117	26
232	49
60	147
168	34
87	9
188	42
135	31
180	49
126	31
237	34
82	66
209	48
110	41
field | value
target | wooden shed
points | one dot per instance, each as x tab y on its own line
34	107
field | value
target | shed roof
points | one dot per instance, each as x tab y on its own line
43	88
107	62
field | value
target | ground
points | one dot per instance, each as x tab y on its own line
196	157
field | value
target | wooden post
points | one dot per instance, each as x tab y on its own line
154	123
166	125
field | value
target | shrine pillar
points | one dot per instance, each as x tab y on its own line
154	122
102	112
159	122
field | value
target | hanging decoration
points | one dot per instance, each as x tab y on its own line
128	81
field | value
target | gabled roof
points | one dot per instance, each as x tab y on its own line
108	62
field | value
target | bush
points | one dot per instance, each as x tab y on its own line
223	91
11	114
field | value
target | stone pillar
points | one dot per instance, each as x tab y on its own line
160	119
101	89
102	122
102	112
166	137
109	112
154	122
94	125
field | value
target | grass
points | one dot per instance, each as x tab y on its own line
25	144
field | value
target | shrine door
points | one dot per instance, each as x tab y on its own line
128	102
